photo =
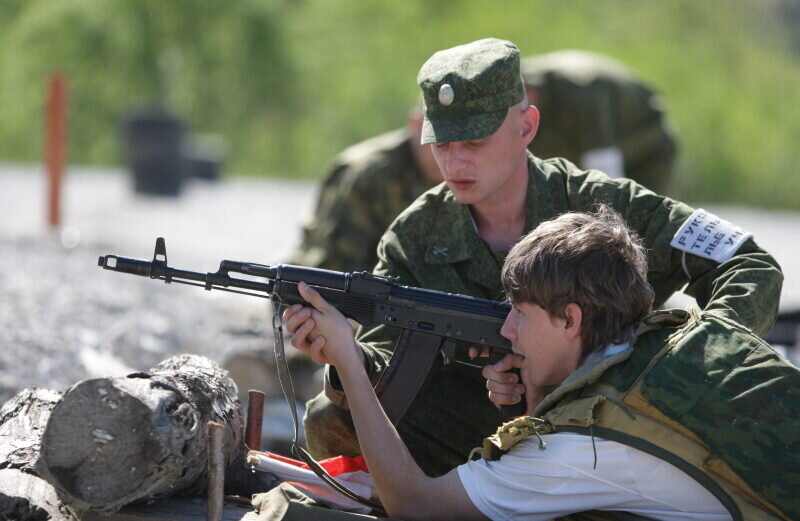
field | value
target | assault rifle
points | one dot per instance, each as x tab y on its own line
433	322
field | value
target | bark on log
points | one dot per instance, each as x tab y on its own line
24	496
113	441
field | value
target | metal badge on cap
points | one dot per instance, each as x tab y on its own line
446	94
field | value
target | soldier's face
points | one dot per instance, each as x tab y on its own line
546	342
486	170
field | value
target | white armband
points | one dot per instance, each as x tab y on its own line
706	235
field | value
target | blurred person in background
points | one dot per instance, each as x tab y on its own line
598	114
594	112
366	187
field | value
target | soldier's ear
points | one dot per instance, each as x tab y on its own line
573	315
530	124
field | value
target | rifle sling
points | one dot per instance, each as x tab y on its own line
285	380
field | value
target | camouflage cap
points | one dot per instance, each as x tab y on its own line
467	90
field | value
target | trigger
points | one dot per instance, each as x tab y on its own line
449	351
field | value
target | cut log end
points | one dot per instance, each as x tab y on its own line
101	443
113	441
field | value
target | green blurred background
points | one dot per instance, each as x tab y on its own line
288	83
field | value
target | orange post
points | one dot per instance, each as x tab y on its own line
54	144
255	419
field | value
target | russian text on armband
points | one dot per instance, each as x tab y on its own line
706	235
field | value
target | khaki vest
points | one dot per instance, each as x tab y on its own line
661	397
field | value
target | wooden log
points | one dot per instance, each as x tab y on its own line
25	496
23	419
112	441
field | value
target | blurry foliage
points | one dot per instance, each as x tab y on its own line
291	82
220	65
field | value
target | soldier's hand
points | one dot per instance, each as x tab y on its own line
504	388
331	333
300	324
475	351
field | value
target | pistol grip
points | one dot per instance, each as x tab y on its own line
515	409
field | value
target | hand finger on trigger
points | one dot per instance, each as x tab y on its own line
481	351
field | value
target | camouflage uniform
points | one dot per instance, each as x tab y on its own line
367	186
589	102
705	395
434	244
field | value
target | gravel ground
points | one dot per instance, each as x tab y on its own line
63	319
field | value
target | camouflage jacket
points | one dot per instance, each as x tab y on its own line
707	396
589	102
367	186
433	244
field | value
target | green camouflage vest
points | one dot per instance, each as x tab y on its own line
705	395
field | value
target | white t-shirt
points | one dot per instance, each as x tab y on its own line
531	484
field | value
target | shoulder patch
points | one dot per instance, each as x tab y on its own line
706	235
511	433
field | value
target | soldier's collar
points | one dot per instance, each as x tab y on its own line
452	234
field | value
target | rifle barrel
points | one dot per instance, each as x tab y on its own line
145	268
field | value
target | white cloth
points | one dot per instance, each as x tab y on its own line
609	350
608	160
531	484
312	485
